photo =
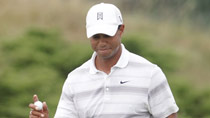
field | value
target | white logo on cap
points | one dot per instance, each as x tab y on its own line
120	19
100	15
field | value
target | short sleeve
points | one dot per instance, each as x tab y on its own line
66	107
161	100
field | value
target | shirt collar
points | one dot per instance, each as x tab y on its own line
124	58
122	62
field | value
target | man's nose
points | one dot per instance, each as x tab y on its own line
103	39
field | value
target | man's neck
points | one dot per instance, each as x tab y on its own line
105	65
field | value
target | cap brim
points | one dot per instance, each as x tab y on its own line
101	29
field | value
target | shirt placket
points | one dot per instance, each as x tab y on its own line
107	88
107	85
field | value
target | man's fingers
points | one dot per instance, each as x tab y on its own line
32	106
37	114
35	98
31	116
45	108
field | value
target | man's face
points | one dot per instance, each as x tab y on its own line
106	46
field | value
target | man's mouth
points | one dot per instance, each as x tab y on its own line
103	49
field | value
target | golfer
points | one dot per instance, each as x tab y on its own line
114	83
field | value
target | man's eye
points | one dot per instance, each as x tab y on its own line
107	36
96	36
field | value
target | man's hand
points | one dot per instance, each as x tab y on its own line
35	113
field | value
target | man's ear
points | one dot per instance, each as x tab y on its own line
122	27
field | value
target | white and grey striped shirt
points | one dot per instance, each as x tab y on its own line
135	88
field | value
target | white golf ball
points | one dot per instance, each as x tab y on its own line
39	105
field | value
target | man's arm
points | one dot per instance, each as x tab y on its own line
173	115
66	106
161	100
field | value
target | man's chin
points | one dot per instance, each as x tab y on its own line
104	55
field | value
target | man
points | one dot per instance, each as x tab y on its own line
114	83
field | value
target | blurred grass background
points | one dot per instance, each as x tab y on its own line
41	41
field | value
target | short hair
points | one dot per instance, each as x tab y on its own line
119	27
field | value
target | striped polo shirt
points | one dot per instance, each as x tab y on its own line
135	88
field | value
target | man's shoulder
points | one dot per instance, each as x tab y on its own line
79	71
134	58
137	61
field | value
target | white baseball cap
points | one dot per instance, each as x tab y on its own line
103	18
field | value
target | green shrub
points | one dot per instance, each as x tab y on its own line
166	58
36	63
193	103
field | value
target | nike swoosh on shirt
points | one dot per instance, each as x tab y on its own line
123	82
